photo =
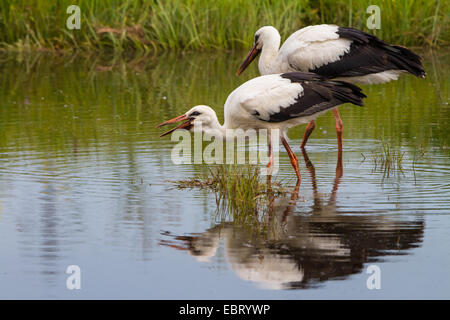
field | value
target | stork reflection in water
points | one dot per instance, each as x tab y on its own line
303	249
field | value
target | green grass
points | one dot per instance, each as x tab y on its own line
151	25
242	194
387	159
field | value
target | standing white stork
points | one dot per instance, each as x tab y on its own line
277	101
335	53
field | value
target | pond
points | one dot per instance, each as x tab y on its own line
85	180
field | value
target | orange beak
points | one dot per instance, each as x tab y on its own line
185	125
252	54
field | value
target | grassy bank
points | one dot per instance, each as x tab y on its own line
149	25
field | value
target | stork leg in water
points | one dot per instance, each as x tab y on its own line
337	180
310	166
309	129
339	128
293	157
312	124
269	166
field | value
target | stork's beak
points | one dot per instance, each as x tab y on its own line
253	53
185	125
172	244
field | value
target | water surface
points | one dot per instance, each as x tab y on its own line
84	181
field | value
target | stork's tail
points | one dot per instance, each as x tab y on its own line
347	92
401	57
405	59
340	90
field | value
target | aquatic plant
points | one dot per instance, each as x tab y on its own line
387	159
241	191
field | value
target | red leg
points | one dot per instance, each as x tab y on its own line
293	157
292	202
312	173
309	129
270	156
339	127
269	173
337	179
339	168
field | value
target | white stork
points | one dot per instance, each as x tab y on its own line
335	53
277	101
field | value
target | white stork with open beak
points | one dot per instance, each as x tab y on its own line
335	53
277	101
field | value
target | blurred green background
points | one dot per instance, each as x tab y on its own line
151	25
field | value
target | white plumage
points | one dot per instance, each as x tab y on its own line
304	50
266	95
277	101
312	47
334	53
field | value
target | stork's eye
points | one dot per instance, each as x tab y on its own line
195	113
256	39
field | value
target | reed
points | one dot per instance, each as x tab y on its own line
152	25
242	194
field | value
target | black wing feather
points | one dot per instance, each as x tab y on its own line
368	54
318	95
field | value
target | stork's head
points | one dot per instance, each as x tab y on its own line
198	118
265	36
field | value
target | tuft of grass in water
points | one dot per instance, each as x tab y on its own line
152	25
199	183
241	191
387	159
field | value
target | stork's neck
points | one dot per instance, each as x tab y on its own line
271	45
226	132
214	128
218	131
